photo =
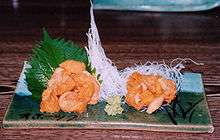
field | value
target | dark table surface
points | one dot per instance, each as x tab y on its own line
127	37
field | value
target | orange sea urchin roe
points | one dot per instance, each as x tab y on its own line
91	84
71	102
61	81
169	88
143	89
72	86
72	66
84	92
49	102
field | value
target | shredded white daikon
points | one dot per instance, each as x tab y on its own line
114	81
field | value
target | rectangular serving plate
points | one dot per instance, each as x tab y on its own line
189	113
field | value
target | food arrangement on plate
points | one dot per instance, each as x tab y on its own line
63	82
70	82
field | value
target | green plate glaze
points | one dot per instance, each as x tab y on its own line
188	113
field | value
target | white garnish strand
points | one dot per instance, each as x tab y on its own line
112	81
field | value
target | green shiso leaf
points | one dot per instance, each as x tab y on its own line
47	55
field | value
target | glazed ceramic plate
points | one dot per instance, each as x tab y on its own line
188	113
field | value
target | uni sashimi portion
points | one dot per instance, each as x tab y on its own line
60	76
149	91
70	89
